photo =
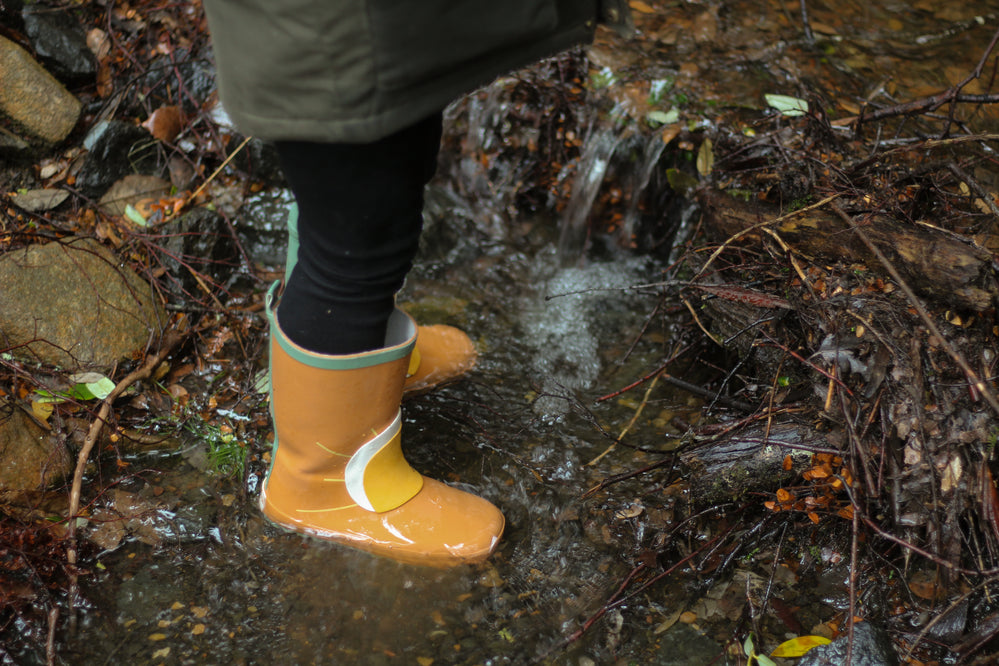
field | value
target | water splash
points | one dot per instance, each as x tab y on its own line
560	324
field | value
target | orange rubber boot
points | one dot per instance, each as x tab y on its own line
443	353
337	469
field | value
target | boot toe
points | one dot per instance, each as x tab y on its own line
446	353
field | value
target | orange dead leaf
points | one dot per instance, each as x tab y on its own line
641	7
787	464
105	86
783	495
772	506
166	123
846	512
814	517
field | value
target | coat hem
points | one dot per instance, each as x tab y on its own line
414	105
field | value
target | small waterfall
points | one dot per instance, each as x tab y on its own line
598	151
640	177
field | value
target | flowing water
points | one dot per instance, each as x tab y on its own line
555	330
240	591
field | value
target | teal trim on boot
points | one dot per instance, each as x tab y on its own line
400	339
292	257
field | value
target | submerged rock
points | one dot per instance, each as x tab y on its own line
70	303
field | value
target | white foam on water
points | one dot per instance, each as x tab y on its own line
561	321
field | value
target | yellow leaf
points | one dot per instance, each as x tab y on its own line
796	647
641	7
705	158
41	410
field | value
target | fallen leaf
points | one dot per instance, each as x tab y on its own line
798	646
166	123
133	190
788	106
705	158
42	409
35	201
641	7
98	43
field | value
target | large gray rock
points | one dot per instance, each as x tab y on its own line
30	458
71	303
33	104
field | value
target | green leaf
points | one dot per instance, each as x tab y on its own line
764	660
789	106
135	216
49	397
748	647
90	386
663	117
262	382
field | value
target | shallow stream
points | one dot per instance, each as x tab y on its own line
227	588
234	589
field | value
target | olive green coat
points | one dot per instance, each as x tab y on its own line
357	70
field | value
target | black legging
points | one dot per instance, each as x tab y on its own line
360	216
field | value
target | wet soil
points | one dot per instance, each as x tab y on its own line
561	191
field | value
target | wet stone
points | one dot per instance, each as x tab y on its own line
685	646
71	304
871	647
30	459
200	242
261	226
115	149
181	78
59	42
35	108
258	159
